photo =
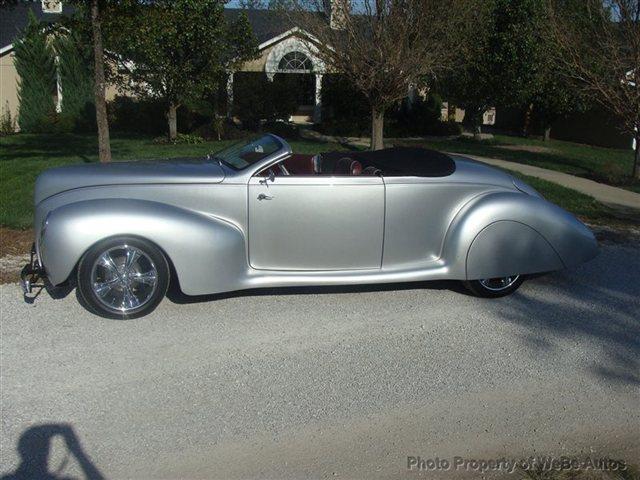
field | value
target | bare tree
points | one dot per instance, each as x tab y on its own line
598	44
384	47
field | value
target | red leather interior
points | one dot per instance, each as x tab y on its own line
348	166
299	164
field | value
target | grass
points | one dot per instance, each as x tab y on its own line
606	165
583	206
24	156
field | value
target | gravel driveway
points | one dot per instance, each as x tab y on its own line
341	382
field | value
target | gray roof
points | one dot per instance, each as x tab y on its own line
13	19
266	24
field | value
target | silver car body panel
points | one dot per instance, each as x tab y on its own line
225	230
316	223
175	171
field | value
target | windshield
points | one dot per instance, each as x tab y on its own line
245	153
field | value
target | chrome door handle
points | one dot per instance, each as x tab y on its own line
262	196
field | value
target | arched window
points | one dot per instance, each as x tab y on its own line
295	62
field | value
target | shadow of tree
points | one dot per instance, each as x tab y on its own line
34	448
597	304
52	146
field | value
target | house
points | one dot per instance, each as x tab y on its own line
13	19
280	48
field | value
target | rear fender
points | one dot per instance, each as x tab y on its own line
505	233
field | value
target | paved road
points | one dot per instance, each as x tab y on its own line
324	383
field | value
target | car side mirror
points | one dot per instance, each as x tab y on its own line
270	177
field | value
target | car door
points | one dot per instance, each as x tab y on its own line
316	222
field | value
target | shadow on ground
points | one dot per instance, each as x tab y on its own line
598	303
34	448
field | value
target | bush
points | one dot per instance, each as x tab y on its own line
422	116
181	139
131	115
149	116
257	99
34	61
7	122
78	104
345	110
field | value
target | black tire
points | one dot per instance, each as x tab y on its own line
152	295
479	288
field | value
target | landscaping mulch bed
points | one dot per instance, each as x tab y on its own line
15	242
14	253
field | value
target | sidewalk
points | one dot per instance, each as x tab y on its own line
606	194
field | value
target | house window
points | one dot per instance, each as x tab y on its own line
52	6
295	62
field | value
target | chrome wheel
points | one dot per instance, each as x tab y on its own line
499	284
124	278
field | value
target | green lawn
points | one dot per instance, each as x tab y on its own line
606	165
581	205
24	156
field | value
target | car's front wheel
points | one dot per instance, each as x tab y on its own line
494	287
124	277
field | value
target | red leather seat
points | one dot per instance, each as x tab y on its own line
299	164
348	166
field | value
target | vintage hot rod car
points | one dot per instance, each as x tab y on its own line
256	215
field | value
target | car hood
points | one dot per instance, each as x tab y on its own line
176	171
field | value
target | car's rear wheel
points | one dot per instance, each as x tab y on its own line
494	287
123	277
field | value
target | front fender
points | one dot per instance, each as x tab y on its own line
195	243
505	233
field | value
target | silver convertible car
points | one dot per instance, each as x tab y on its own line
257	215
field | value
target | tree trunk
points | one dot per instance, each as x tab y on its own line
477	130
451	112
527	120
377	128
172	118
636	162
104	148
547	133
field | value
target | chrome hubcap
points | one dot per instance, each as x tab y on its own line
124	278
499	284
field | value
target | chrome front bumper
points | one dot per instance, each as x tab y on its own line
32	273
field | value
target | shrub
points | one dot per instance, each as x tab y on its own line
257	99
148	116
131	115
345	110
181	139
78	105
34	61
7	122
422	116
